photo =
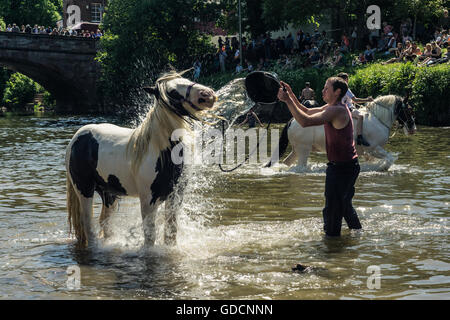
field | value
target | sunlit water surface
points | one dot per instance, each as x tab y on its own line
239	234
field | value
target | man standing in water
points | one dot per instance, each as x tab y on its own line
343	167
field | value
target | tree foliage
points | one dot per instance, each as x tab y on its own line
142	37
259	16
23	12
19	90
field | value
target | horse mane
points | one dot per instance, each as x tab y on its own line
383	108
158	125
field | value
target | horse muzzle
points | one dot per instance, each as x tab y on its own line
207	99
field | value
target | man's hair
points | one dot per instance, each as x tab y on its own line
339	83
342	75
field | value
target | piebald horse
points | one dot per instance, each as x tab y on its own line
116	161
379	116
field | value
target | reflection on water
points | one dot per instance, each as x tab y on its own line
240	233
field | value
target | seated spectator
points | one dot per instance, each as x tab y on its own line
392	43
35	29
369	53
239	68
362	58
412	52
9	28
426	53
28	29
249	65
314	57
306	51
399	53
436	54
337	59
345	43
22	29
98	34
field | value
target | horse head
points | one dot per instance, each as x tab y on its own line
182	96
405	115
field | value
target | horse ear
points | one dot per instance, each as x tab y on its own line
152	90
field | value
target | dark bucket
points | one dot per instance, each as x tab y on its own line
262	87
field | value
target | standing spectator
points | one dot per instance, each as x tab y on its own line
374	37
197	69
300	37
289	44
354	39
222	56
387	28
444	20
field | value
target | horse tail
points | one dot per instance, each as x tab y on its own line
74	211
282	145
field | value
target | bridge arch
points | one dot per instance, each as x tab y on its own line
65	66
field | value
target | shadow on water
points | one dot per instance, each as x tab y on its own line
149	273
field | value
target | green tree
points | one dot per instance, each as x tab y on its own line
142	37
42	12
19	90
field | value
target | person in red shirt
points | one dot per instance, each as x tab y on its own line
343	166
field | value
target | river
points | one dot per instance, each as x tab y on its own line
240	233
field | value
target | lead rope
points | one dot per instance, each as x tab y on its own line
251	153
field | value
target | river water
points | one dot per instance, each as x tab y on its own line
240	233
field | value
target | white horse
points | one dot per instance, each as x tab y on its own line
116	161
379	117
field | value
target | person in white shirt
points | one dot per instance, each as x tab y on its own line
348	100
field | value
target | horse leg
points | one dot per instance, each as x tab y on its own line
86	234
107	209
172	205
380	153
303	155
290	159
148	213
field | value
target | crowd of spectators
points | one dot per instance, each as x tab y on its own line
60	31
319	50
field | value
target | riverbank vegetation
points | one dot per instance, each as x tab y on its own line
427	87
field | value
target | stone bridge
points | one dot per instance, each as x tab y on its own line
64	66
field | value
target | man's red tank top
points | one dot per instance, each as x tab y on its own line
339	142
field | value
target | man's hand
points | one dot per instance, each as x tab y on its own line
283	95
